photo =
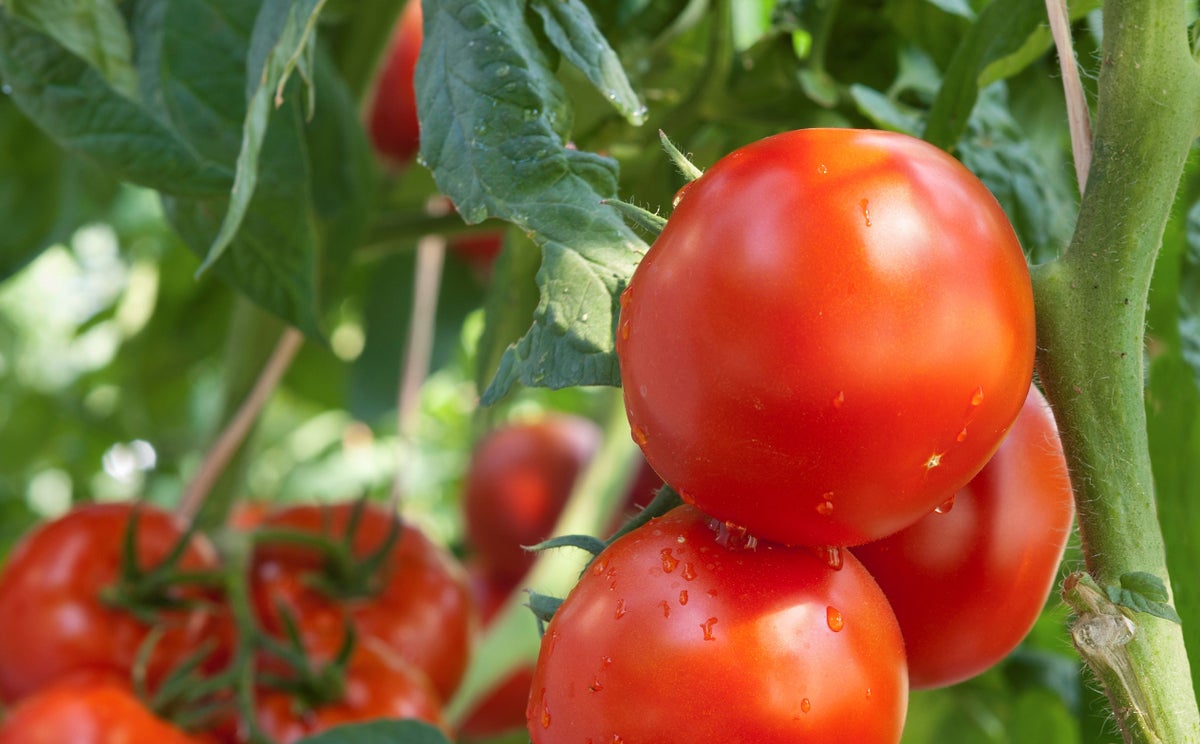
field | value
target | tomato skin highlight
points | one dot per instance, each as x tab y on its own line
968	582
87	708
830	336
422	607
52	618
392	118
764	644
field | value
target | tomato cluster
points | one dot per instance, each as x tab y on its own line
828	354
112	611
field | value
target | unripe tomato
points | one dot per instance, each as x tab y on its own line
829	338
968	581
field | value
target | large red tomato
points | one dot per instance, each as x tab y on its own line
829	338
392	119
56	613
518	480
87	708
418	603
681	632
378	684
968	581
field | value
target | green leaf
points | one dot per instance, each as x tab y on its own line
1189	293
1001	29
380	732
884	112
1143	592
572	30
494	118
512	298
92	30
282	39
73	103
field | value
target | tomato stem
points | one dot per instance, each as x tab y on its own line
1091	306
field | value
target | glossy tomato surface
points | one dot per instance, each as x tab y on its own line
830	336
682	632
518	480
378	684
419	603
53	620
392	118
87	708
968	581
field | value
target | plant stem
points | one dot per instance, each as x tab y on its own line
1091	322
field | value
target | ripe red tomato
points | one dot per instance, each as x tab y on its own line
378	684
968	582
830	336
518	480
87	708
678	632
53	619
420	604
392	120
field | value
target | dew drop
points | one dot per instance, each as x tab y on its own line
545	711
503	70
598	567
625	329
639	435
666	607
822	169
620	613
711	593
934	460
833	618
831	555
962	435
945	506
683	596
839	400
689	572
866	212
868	692
977	398
825	508
595	686
707	627
605	662
669	562
805	705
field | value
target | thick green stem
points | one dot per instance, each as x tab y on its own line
1091	322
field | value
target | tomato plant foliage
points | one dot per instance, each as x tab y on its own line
198	173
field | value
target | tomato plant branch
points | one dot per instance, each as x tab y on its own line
1091	321
235	432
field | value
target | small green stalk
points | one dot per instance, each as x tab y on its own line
1091	322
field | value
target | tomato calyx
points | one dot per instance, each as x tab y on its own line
147	592
342	572
310	685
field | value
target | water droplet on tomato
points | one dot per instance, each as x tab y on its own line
545	718
822	169
669	562
689	572
833	618
625	329
831	555
805	705
840	399
945	506
934	460
962	435
620	613
977	398
666	607
707	627
683	596
639	435
598	567
825	508
866	212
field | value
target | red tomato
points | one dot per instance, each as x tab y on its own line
392	120
419	605
968	582
378	684
53	619
478	251
87	709
678	633
831	335
518	480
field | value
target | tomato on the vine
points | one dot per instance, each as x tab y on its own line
87	708
392	118
377	683
517	483
682	630
968	581
831	335
64	604
417	601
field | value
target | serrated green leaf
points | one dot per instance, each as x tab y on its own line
92	30
1143	592
380	732
73	103
493	116
572	30
282	39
